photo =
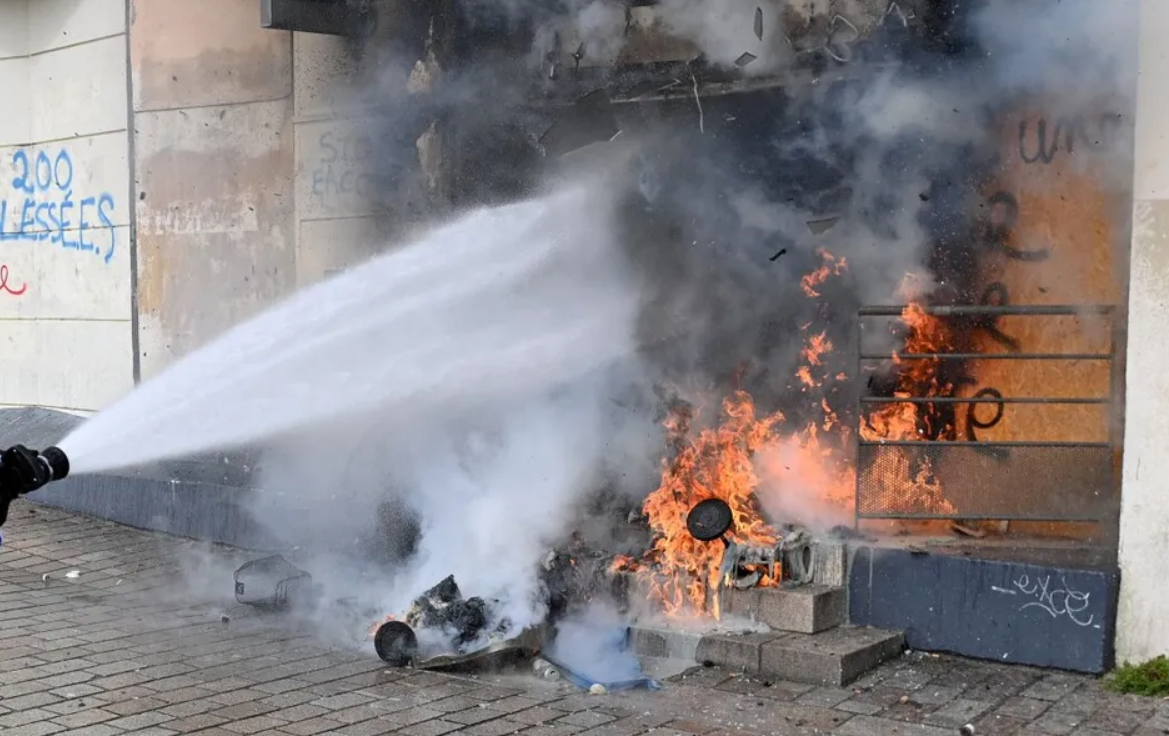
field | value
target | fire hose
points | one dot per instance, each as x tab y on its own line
23	471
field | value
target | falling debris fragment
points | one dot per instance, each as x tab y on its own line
746	58
781	252
822	225
759	23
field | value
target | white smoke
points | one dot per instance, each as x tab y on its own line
479	482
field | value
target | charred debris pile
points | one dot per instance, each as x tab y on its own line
444	629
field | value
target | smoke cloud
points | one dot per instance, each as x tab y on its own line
725	204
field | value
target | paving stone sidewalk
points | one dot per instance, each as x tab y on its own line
128	645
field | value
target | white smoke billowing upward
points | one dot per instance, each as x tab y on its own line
479	474
493	499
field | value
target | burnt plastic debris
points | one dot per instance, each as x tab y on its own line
443	607
272	583
396	643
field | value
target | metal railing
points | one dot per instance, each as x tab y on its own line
1032	478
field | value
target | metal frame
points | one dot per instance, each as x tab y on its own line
867	402
350	18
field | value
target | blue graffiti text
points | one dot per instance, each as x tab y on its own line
42	206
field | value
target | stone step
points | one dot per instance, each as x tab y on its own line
808	609
834	657
664	643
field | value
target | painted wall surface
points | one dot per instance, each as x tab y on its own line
1144	522
213	170
65	274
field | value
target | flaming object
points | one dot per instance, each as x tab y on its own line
763	469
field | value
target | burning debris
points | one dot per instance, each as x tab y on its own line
727	512
763	454
443	629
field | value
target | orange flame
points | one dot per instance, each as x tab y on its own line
756	467
813	353
912	482
831	266
717	463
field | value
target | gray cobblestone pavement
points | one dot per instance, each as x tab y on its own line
122	648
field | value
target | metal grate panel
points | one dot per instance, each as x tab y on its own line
958	480
1031	477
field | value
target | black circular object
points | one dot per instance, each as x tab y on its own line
395	643
709	520
57	461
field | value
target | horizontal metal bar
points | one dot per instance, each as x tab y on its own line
987	356
1021	310
979	517
979	400
988	444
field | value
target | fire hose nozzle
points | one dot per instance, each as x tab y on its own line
23	470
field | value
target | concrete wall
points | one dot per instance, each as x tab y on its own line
1142	632
65	260
249	168
241	178
213	170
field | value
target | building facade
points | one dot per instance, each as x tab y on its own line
168	169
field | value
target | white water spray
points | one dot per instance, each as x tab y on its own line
506	301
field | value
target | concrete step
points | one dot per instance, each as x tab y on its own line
834	657
808	609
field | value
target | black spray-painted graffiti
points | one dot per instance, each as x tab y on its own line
1039	142
1000	223
996	295
1057	599
1003	217
340	169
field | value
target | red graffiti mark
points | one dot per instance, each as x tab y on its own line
4	287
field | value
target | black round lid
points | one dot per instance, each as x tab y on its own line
395	643
709	519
